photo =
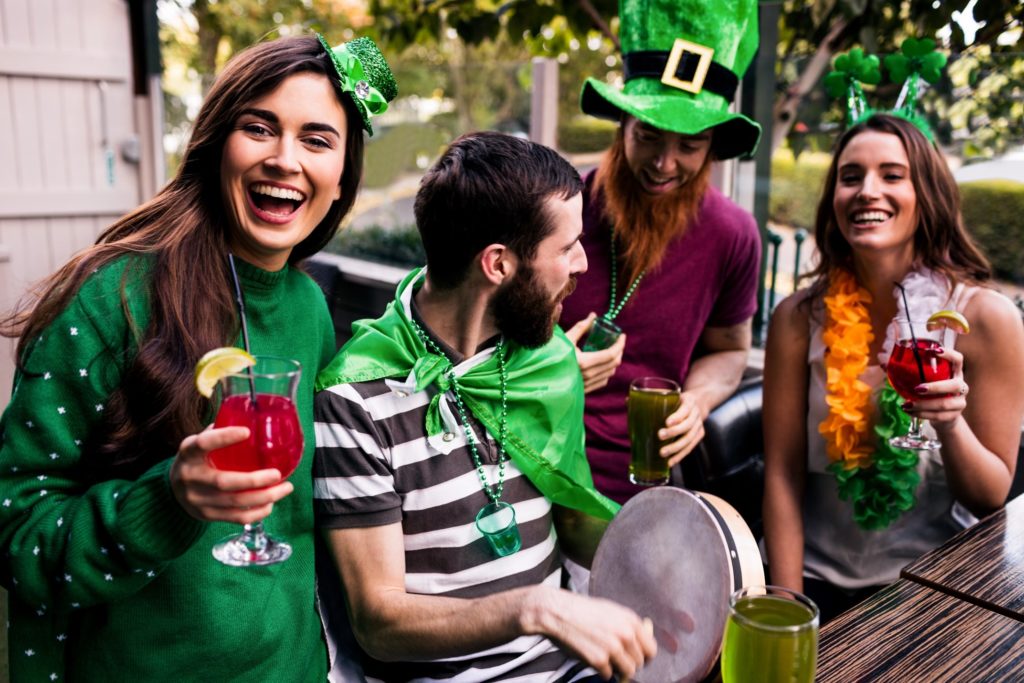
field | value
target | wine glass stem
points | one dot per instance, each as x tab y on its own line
255	539
915	427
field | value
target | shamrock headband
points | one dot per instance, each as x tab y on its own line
917	60
364	74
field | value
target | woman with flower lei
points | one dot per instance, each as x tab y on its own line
843	510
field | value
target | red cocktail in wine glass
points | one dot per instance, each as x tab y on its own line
914	361
261	398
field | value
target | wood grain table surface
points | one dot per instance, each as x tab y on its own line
983	564
910	632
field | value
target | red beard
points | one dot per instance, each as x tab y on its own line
645	224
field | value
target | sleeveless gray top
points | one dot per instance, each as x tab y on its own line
838	551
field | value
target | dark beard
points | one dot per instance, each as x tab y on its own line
524	312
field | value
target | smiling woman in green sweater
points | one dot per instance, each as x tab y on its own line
108	508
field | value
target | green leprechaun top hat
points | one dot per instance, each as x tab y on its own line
682	63
364	74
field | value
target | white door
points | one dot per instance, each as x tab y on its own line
69	141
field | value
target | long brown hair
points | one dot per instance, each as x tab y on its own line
941	243
645	225
183	231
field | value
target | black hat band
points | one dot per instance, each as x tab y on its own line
652	63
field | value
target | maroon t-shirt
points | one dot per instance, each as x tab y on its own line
708	278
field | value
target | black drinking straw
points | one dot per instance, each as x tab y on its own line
245	327
913	338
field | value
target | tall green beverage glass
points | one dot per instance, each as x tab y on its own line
771	636
651	400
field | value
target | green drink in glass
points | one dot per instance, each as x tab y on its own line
771	636
651	400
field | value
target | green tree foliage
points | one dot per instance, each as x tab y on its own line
976	96
447	46
223	27
987	86
406	22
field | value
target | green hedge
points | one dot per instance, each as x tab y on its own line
398	246
796	187
994	214
585	134
393	151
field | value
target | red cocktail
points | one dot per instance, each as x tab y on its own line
261	398
275	435
914	362
905	373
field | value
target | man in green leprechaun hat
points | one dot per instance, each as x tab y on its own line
673	263
450	475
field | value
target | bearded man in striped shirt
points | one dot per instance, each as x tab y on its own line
460	412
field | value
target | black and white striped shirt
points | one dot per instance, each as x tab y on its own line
375	465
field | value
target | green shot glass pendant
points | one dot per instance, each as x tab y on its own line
604	331
497	519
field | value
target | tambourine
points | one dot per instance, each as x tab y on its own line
675	556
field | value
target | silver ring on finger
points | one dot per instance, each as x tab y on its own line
963	389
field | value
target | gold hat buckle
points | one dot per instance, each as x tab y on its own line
695	84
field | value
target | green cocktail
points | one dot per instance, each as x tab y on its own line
651	400
771	636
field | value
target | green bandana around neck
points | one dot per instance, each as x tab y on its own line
545	397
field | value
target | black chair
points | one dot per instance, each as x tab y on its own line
729	462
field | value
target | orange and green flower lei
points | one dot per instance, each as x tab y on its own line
877	479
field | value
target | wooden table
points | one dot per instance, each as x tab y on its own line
983	565
910	632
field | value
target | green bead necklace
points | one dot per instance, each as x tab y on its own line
615	308
494	493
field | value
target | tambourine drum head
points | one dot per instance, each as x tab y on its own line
666	556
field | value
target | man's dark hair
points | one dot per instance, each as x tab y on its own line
488	188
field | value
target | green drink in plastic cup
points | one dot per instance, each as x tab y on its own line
771	636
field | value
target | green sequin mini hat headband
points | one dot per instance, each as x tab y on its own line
917	60
364	74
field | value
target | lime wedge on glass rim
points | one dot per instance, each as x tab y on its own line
951	319
218	363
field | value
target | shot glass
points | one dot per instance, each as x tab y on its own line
497	522
603	334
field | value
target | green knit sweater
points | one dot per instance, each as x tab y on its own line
114	581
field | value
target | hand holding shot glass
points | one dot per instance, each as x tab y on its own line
603	333
651	401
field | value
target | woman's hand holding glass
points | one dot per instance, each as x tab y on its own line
213	495
942	403
915	363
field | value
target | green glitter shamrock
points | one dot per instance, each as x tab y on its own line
850	68
916	56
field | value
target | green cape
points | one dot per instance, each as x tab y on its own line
544	395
